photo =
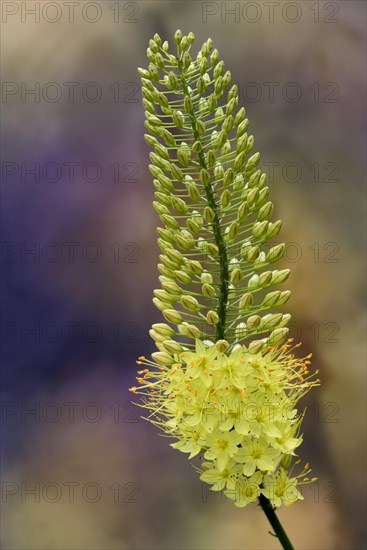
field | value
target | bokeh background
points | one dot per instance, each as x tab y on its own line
80	469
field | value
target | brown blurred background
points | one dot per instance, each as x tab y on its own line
80	470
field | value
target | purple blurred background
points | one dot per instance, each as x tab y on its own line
80	469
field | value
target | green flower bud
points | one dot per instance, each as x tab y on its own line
183	155
204	176
245	302
241	145
225	199
153	129
238	182
213	250
169	221
242	127
188	104
194	192
176	172
218	170
255	346
167	262
265	278
153	46
157	39
271	298
184	43
203	65
206	277
208	290
172	316
160	62
252	195
154	71
236	276
214	58
276	253
163	198
218	86
179	205
222	345
228	177
172	347
211	159
163	296
203	106
209	214
277	336
200	127
212	317
172	80
253	322
160	208
191	37
252	162
158	304
260	229
178	36
163	329
165	271
195	267
212	103
178	119
168	137
182	277
172	288
183	242
240	116
270	321
250	144
163	358
148	106
233	100
243	211
284	297
228	124
265	211
156	337
192	331
197	146
239	162
253	281
143	72
286	318
193	226
253	253
226	149
279	277
165	234
219	69
165	182
227	79
254	179
190	303
274	229
233	231
151	140
162	151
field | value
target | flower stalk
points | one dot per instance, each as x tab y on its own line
224	383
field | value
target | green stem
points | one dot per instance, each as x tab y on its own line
223	259
269	511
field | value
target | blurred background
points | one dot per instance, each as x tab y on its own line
80	469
